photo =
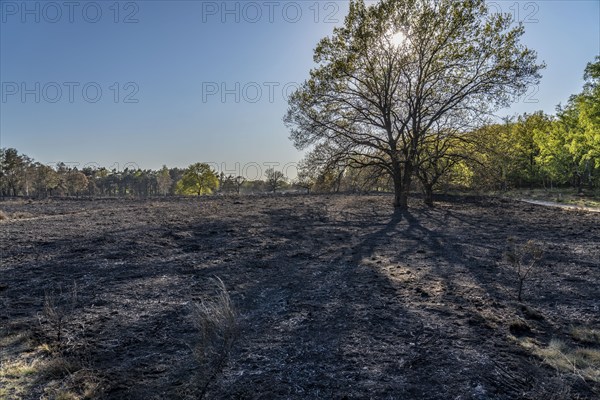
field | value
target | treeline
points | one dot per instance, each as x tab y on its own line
20	175
528	151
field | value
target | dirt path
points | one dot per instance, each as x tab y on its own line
560	205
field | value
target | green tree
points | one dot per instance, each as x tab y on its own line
588	104
198	179
525	149
439	155
499	156
570	147
402	70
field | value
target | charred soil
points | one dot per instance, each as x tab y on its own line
336	297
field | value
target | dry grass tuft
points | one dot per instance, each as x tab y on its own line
81	384
21	215
3	216
583	362
41	368
17	375
586	335
215	319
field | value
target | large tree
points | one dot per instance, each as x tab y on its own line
400	71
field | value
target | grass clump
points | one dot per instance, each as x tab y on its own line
583	362
21	215
215	319
18	375
586	335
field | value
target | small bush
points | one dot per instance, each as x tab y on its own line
58	307
3	216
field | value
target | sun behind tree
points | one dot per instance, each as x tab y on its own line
198	179
401	77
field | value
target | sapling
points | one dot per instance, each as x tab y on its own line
525	259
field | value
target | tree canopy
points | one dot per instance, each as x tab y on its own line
402	73
198	179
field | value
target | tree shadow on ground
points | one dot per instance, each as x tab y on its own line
333	302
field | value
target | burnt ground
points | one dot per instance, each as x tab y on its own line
337	297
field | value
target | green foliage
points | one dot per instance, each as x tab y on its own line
535	150
524	167
570	147
198	179
377	101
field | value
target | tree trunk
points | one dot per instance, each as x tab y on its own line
428	195
401	199
579	183
401	187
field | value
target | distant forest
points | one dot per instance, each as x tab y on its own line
20	175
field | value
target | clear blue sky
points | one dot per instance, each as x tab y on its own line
170	60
